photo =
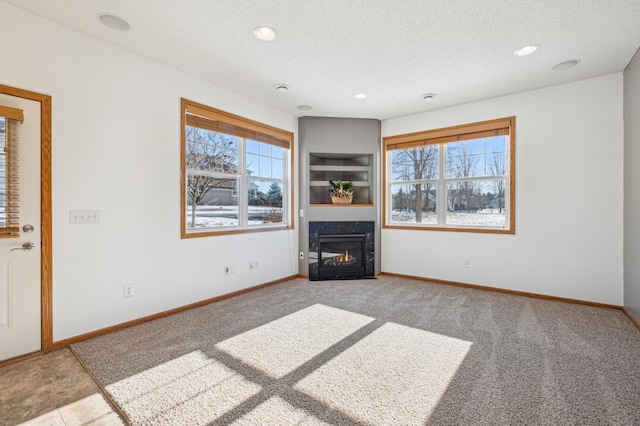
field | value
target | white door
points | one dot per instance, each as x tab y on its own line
20	281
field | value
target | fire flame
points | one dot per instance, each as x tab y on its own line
344	257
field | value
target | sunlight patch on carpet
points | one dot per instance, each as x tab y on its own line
277	411
190	390
396	375
279	347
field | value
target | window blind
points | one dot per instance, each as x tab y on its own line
10	121
219	121
485	129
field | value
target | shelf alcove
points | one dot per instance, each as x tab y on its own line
355	168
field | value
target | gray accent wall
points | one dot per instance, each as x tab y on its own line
346	136
632	186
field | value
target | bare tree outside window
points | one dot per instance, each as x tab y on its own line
413	164
497	164
460	164
208	154
235	176
473	198
457	178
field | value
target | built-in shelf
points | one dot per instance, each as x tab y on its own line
356	168
340	205
324	182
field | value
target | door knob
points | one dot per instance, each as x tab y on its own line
25	247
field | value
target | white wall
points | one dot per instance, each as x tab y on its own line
116	148
632	187
569	198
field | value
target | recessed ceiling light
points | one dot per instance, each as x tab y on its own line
527	50
428	96
361	96
265	33
114	22
566	65
281	87
304	107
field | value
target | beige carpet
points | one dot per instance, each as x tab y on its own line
390	351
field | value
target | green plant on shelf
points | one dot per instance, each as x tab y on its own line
341	190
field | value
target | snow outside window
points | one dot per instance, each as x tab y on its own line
236	179
453	179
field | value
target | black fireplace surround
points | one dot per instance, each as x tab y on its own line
341	250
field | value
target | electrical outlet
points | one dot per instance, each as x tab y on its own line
230	269
301	255
465	263
128	290
253	265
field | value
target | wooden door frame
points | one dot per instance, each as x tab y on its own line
46	276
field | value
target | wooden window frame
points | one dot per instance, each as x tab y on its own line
208	118
503	126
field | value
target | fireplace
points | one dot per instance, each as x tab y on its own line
341	256
341	250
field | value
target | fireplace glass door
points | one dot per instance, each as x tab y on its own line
341	256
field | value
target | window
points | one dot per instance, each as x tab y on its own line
236	173
10	120
459	178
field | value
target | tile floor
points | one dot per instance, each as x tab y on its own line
52	389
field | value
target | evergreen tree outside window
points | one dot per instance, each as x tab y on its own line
236	174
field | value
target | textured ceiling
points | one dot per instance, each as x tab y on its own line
395	51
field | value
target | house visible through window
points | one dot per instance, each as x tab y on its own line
236	174
456	179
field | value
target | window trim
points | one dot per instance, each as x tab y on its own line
502	126
269	134
12	113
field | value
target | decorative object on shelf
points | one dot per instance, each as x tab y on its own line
341	192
